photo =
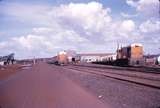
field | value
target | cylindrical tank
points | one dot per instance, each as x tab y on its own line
158	59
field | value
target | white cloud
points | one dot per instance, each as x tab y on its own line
28	13
79	26
150	26
148	30
146	7
48	41
125	15
89	17
143	5
3	45
131	3
120	30
42	30
149	7
2	34
30	42
128	25
43	42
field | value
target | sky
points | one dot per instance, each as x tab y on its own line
42	28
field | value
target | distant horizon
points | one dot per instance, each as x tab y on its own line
77	52
36	57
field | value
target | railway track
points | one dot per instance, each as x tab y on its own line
153	70
149	80
143	75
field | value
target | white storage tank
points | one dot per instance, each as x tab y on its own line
158	59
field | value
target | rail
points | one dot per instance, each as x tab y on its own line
153	82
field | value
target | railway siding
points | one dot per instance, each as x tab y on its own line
143	75
154	70
133	79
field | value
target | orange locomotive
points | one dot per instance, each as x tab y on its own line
131	55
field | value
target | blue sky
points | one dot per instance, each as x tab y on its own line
41	28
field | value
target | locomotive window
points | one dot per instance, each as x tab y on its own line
136	46
137	62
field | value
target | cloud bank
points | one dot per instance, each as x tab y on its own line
85	27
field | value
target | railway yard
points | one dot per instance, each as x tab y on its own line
123	89
80	54
44	85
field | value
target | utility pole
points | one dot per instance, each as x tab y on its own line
34	60
159	9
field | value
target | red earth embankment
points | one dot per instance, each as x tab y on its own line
6	71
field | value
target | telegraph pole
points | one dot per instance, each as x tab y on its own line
159	9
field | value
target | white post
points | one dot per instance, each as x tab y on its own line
34	61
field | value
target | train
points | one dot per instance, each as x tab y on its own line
131	55
62	58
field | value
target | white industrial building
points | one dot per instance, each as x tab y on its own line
72	56
94	57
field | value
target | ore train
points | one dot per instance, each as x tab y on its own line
62	58
131	55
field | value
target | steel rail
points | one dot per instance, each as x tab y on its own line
125	73
139	81
138	69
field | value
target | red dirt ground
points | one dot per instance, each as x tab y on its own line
7	71
43	86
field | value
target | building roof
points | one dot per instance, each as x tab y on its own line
136	44
131	45
152	56
95	54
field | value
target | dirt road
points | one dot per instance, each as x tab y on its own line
42	86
